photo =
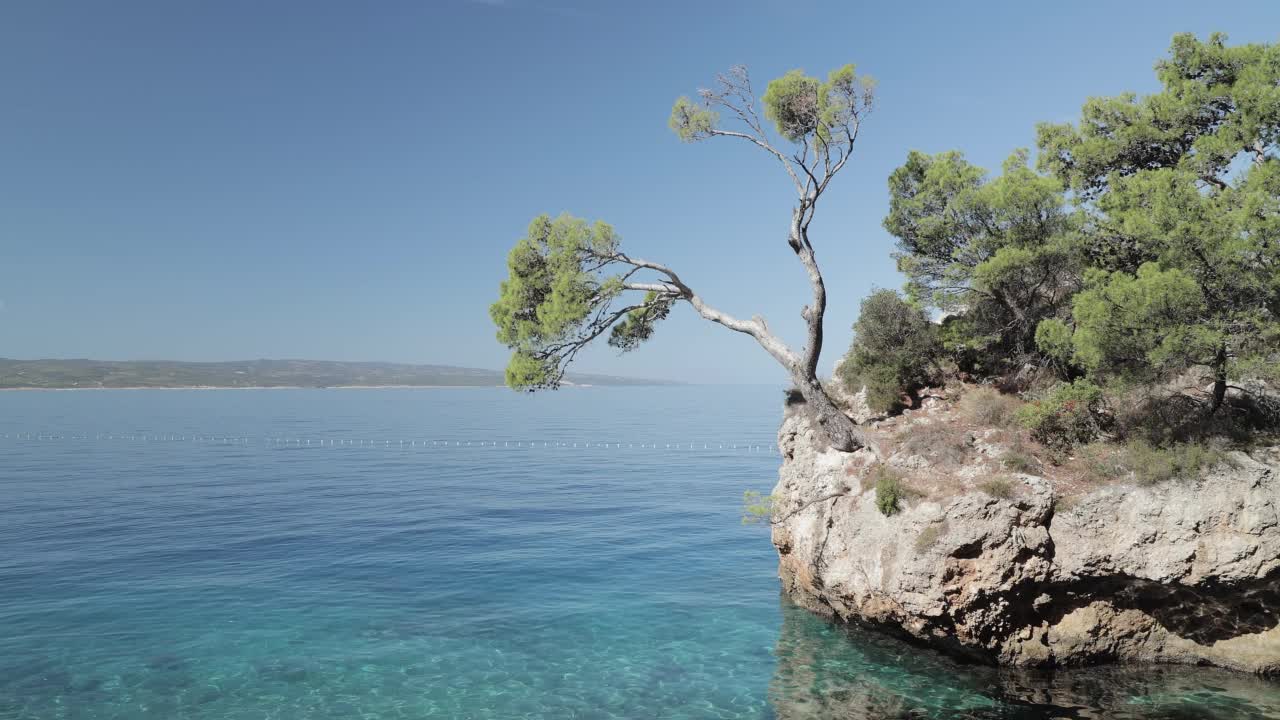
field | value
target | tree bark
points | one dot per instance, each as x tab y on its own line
1219	380
813	313
841	431
1219	391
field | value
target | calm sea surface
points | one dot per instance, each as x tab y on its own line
324	554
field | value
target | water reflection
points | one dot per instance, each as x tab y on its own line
826	671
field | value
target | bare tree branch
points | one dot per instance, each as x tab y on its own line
786	164
756	327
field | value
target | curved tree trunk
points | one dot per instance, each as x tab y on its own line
841	431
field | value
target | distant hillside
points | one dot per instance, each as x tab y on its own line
59	374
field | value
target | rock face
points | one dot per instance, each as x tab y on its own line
1177	573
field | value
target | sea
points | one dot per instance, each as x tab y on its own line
452	553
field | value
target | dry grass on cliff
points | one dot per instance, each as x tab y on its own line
988	407
942	443
931	535
999	486
967	438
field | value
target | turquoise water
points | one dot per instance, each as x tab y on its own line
187	554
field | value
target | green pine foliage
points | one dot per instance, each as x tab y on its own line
999	254
549	293
1143	248
1183	195
558	296
895	351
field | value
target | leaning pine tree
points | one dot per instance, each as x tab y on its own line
570	282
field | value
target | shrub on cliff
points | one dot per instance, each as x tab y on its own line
1019	459
891	491
1071	414
895	351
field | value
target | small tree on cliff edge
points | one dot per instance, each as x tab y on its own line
570	282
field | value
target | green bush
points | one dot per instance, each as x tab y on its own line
1071	414
888	493
884	385
890	490
895	351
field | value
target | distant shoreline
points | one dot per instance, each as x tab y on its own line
288	387
263	374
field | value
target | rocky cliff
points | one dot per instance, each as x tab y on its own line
1181	572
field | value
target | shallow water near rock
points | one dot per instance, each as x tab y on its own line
188	554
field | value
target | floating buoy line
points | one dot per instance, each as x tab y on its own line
281	442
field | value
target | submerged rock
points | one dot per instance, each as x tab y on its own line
1182	572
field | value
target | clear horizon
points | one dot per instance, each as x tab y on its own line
231	181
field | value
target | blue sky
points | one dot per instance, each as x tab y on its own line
235	179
